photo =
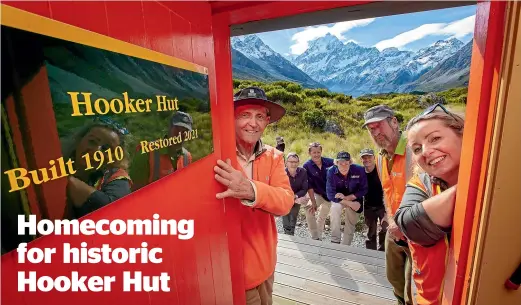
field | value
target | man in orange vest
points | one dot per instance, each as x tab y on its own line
149	167
263	188
394	169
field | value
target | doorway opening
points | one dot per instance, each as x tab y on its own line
326	103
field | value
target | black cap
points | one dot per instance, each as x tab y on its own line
257	96
343	155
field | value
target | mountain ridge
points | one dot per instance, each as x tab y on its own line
353	69
260	54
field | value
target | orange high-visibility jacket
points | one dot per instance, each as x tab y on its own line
113	174
395	180
429	263
160	163
259	231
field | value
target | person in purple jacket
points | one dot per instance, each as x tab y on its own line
346	186
298	179
316	168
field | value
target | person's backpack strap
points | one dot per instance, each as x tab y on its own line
157	164
186	157
379	166
427	183
111	175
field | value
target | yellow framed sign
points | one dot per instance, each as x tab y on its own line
87	119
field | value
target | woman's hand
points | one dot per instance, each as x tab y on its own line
78	191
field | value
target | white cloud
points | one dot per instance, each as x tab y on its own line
460	28
457	29
313	32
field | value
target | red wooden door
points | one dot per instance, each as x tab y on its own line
199	268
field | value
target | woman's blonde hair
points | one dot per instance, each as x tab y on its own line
451	120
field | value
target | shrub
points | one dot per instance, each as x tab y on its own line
364	98
295	88
431	99
462	99
453	93
404	102
271	87
281	83
342	98
319	104
314	118
284	96
399	116
317	92
236	83
246	84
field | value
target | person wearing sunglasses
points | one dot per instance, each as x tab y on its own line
90	188
427	208
394	168
316	168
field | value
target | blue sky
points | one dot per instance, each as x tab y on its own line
406	32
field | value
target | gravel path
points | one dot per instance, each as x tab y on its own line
301	230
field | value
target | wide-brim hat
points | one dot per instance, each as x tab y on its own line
257	96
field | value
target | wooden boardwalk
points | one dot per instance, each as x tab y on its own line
319	273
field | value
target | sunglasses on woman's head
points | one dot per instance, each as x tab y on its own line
433	107
314	144
108	121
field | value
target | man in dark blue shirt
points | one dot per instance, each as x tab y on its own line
346	186
316	168
374	209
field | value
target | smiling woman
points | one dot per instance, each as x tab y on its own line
426	211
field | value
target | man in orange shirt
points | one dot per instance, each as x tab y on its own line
261	185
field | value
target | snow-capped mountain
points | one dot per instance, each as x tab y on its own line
452	72
271	62
357	70
353	69
244	68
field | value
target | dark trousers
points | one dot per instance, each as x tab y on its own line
373	216
398	266
290	221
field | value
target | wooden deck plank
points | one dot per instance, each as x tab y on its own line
336	270
332	253
317	293
278	300
332	246
308	298
332	260
343	282
317	273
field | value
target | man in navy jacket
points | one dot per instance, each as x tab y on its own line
345	187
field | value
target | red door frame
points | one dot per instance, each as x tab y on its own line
482	98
